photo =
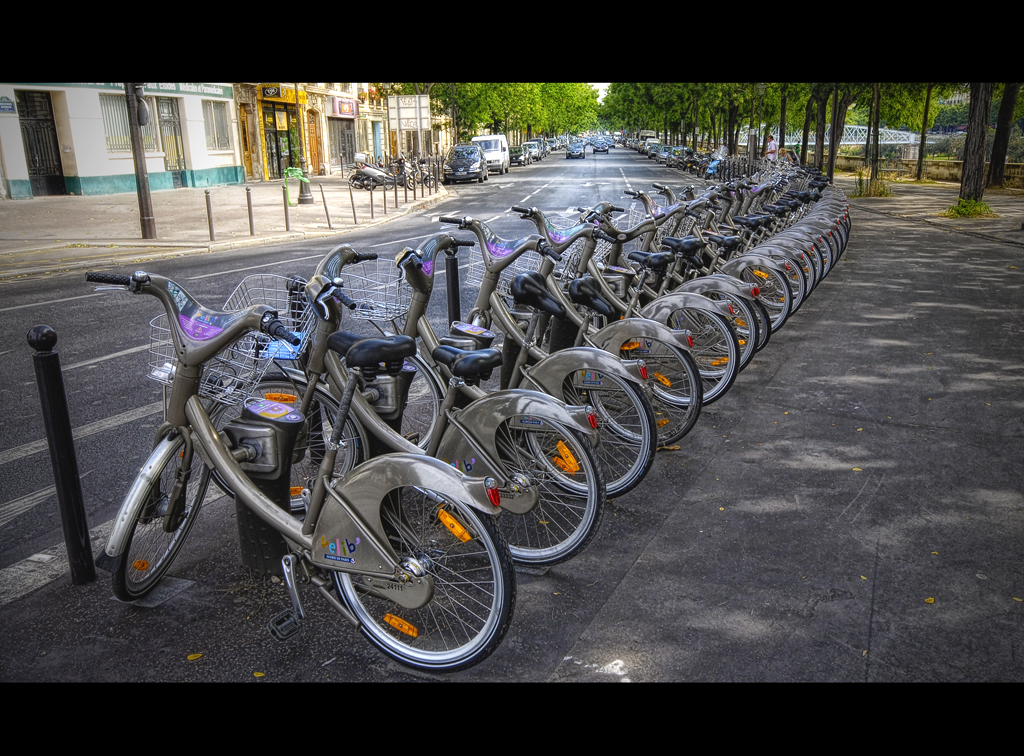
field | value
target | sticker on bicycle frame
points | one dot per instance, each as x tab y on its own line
336	551
530	420
180	297
199	327
475	330
590	378
271	409
428	268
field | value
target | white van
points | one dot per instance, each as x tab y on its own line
495	147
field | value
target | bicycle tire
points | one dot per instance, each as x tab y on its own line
775	293
715	349
626	423
572	494
474	586
677	394
151	549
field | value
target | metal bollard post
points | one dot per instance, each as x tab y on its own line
57	421
326	211
405	188
287	218
209	215
396	194
352	199
385	193
371	203
248	201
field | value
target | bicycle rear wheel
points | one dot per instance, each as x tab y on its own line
156	538
474	585
562	465
715	349
678	394
626	423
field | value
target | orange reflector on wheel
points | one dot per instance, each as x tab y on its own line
283	398
630	345
663	423
296	491
719	363
141	565
401	625
454	525
759	273
742	342
568	462
662	379
741	322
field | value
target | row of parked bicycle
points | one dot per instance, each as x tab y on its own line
402	475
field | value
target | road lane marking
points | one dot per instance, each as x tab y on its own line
27	450
51	301
94	360
256	267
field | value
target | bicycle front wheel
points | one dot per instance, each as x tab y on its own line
562	465
157	535
474	585
626	424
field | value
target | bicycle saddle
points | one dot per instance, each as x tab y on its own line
585	291
531	290
472	366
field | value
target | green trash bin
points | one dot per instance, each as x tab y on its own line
295	173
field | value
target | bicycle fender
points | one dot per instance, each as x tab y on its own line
615	334
526	409
349	536
663	307
134	500
743	262
724	285
549	373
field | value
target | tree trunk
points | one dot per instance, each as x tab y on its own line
808	114
997	167
835	135
924	132
819	132
876	104
867	140
782	119
972	185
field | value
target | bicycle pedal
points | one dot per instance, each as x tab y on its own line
284	625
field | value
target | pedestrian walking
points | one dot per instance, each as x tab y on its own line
772	148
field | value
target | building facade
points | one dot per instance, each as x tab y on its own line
73	138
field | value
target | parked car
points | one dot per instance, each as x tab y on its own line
576	150
495	150
676	157
465	162
662	153
534	148
519	156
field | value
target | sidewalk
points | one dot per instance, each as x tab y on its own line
53	234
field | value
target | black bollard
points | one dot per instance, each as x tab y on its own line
57	421
326	211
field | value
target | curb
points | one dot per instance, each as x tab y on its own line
183	249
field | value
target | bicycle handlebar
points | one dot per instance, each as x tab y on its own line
114	279
278	330
524	210
450	219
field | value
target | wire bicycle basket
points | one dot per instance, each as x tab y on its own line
379	290
233	373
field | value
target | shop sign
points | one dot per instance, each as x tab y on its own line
280	94
344	108
6	105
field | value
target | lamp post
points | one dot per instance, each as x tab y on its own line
305	195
